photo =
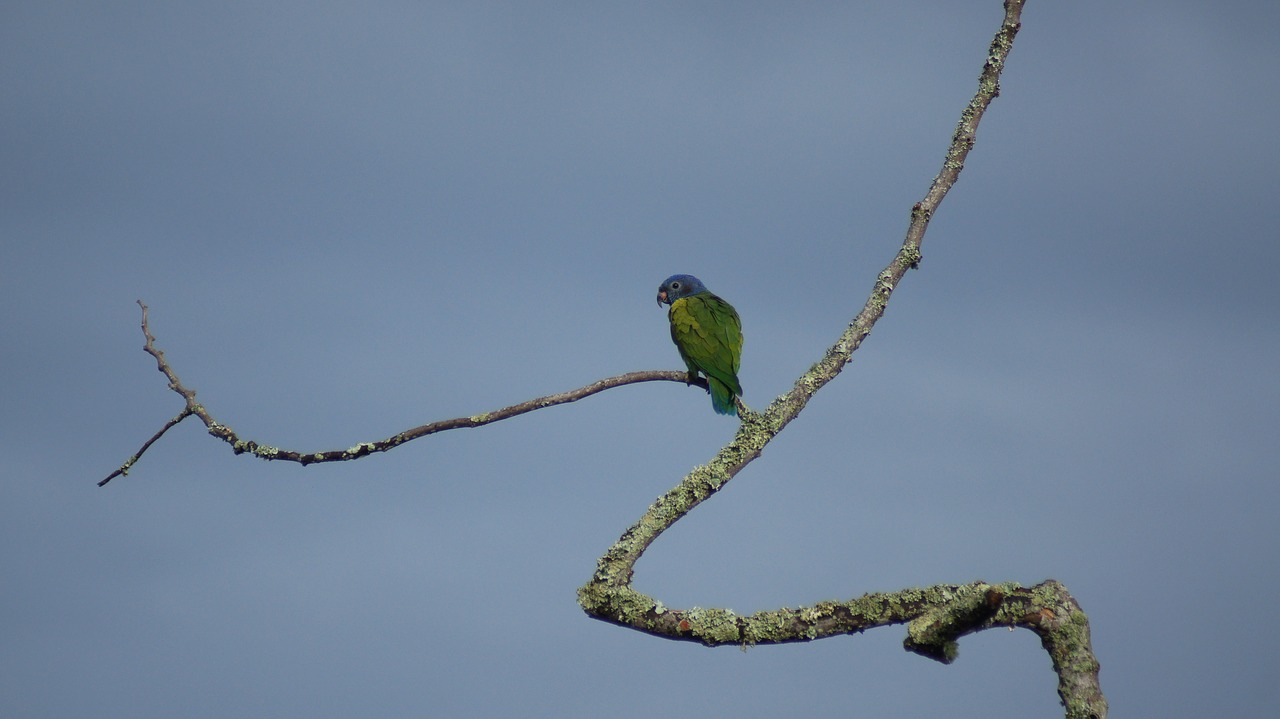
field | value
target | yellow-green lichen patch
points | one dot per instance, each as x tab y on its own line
361	449
714	626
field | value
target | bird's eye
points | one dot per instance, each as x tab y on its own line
675	285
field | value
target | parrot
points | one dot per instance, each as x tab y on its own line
708	334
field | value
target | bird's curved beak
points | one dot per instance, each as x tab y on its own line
662	297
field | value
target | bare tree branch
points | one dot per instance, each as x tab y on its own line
248	446
938	615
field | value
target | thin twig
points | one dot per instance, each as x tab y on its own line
124	468
243	446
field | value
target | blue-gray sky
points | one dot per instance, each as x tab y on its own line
350	219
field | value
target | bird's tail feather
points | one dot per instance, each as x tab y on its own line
722	397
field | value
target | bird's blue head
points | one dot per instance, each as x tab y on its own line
678	286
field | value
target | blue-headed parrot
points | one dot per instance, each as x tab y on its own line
708	333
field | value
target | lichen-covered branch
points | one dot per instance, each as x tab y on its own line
263	451
936	616
757	429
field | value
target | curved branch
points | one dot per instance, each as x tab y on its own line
938	615
935	616
758	429
243	446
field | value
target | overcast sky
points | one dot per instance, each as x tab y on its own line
351	219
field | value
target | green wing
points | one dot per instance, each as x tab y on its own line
708	333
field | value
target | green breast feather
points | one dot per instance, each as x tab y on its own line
708	333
